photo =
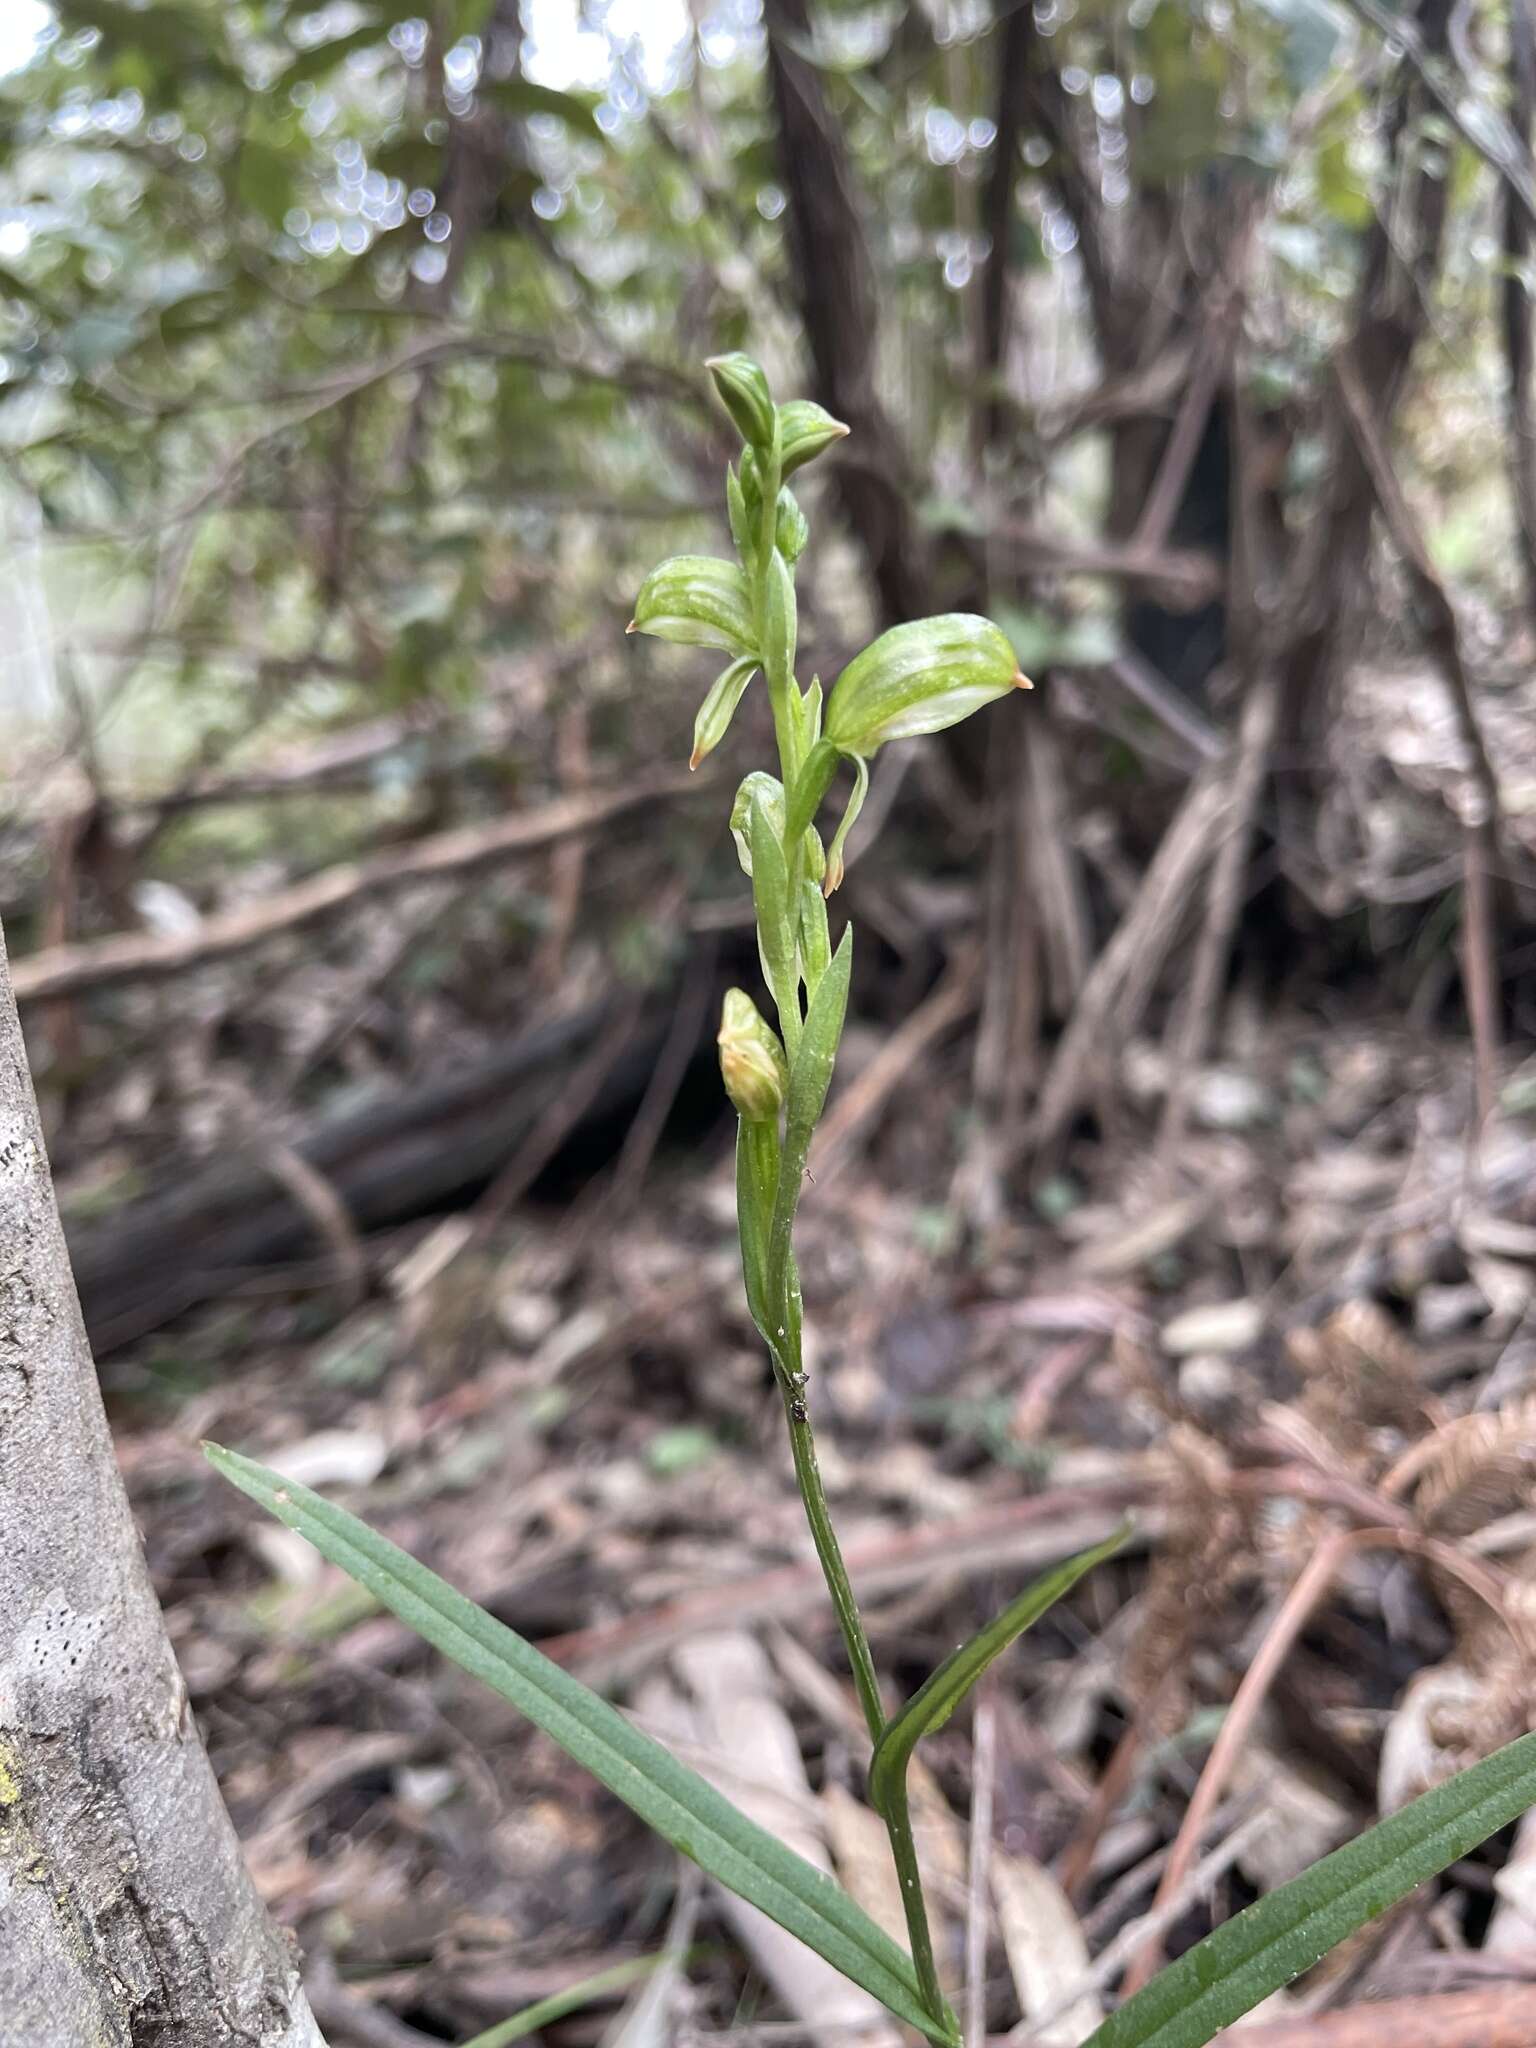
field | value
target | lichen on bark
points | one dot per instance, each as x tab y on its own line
127	1918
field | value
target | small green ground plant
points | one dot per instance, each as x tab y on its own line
915	679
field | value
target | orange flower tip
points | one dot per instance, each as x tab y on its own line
834	880
633	624
694	759
1021	681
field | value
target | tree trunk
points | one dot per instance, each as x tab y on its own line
835	284
127	1919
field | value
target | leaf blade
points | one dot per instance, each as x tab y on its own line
936	1699
679	1805
810	1076
1264	1947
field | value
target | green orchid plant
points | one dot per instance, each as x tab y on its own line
915	679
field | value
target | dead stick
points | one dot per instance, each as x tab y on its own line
1030	1533
977	1915
139	956
1295	1610
1261	716
1502	2016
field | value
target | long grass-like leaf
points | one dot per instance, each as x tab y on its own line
670	1798
935	1700
559	2003
1263	1948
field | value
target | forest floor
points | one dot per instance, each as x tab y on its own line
1296	1342
1316	1327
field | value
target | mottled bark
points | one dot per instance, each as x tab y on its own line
127	1919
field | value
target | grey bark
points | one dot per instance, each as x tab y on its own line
127	1918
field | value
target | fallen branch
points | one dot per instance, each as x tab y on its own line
1503	2016
409	1153
141	956
1031	1534
1261	715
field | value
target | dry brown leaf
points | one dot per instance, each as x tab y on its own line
1047	1953
744	1744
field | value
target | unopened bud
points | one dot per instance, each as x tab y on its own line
752	1062
805	430
745	395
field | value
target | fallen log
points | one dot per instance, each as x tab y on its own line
387	1163
141	956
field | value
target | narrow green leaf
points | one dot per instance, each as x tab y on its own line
808	715
682	1808
1263	1948
780	620
810	1075
775	920
815	940
519	2025
757	1175
934	1701
741	525
810	786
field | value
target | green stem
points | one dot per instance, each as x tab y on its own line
780	682
783	1303
898	1825
802	1446
898	1820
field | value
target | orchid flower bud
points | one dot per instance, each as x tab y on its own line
757	788
920	678
791	531
752	1062
745	395
719	707
696	601
805	431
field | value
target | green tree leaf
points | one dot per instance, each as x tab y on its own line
264	179
1262	1949
320	58
522	96
667	1796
